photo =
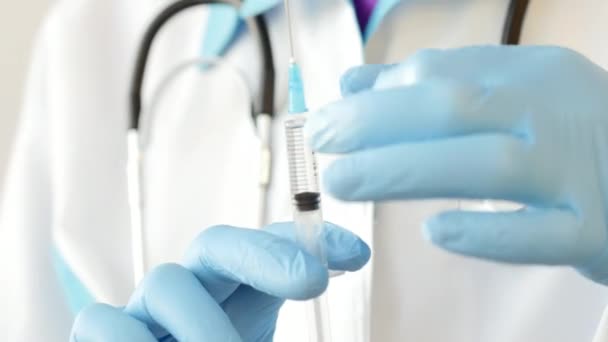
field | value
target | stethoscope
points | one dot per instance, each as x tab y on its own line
140	135
262	107
262	110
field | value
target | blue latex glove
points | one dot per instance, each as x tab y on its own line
230	287
524	124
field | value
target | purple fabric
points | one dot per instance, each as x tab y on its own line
364	9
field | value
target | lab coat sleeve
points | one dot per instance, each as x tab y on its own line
33	305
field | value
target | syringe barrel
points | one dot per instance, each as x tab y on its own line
305	188
302	162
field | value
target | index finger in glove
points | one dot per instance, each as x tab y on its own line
427	110
225	257
361	78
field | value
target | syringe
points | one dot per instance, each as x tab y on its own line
305	188
307	213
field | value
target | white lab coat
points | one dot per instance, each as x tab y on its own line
67	187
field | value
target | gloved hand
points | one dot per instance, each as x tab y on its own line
230	287
523	124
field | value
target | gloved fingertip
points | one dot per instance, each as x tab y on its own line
360	78
360	255
441	233
342	180
317	130
347	85
345	250
306	277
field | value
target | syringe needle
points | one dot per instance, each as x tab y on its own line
292	56
297	102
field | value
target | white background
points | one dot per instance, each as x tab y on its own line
19	21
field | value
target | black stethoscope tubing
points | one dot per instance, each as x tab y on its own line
257	27
514	22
